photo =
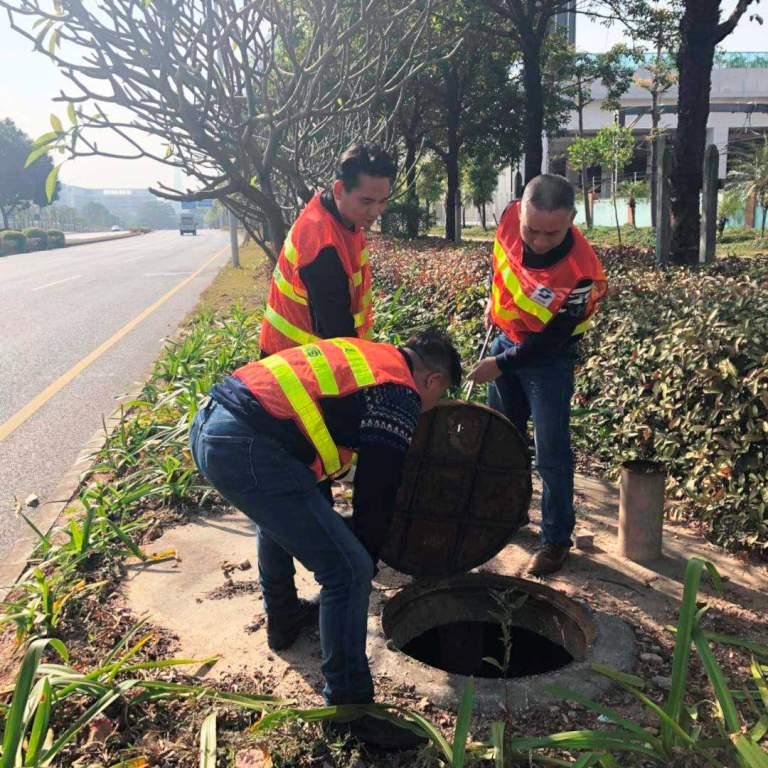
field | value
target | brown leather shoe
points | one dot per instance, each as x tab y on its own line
549	559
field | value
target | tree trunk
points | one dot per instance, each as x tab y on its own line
765	213
411	199
534	107
451	156
452	174
483	218
5	217
695	58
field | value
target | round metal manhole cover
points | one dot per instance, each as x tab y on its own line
466	491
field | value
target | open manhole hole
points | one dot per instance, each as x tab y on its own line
515	637
487	649
465	493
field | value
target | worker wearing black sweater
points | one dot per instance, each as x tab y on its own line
275	427
547	283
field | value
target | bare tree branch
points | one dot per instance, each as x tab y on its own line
253	100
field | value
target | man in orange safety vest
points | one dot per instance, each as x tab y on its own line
321	284
272	431
547	283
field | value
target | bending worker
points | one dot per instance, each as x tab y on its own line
272	430
321	285
547	283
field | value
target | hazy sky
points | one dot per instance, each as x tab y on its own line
29	82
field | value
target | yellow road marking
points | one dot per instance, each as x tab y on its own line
40	400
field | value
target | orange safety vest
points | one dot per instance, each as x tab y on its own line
287	319
524	300
289	385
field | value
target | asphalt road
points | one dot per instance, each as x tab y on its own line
58	307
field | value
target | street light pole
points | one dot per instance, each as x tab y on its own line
233	245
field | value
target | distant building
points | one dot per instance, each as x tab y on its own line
739	91
565	21
121	202
734	119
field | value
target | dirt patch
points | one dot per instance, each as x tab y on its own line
233	589
246	284
9	658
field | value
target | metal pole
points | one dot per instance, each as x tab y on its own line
233	245
641	510
470	385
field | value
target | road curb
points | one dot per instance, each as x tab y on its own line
45	518
105	239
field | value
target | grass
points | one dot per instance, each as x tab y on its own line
246	285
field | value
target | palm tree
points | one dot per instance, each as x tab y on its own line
750	177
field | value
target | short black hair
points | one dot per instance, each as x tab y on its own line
549	192
435	349
370	159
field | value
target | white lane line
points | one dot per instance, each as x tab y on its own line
58	282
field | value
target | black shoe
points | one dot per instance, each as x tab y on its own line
374	732
285	627
549	559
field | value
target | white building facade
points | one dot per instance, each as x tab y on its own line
735	123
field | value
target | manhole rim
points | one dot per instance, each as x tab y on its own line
612	644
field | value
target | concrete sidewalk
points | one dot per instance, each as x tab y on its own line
214	606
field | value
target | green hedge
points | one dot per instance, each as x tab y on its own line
35	233
56	238
13	241
677	370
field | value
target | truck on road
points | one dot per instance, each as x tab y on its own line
187	223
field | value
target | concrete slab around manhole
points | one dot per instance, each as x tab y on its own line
178	596
192	598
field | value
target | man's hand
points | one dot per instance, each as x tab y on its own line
487	322
486	370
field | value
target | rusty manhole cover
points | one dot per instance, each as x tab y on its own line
466	491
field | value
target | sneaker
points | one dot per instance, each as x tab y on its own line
285	627
549	559
377	733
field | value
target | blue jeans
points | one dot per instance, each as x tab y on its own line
294	519
543	392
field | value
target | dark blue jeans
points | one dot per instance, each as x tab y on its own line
294	519
543	392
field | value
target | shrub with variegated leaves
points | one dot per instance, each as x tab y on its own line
677	369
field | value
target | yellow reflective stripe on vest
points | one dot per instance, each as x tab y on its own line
582	326
357	363
322	369
289	249
499	309
289	330
361	317
515	289
285	287
357	277
306	411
